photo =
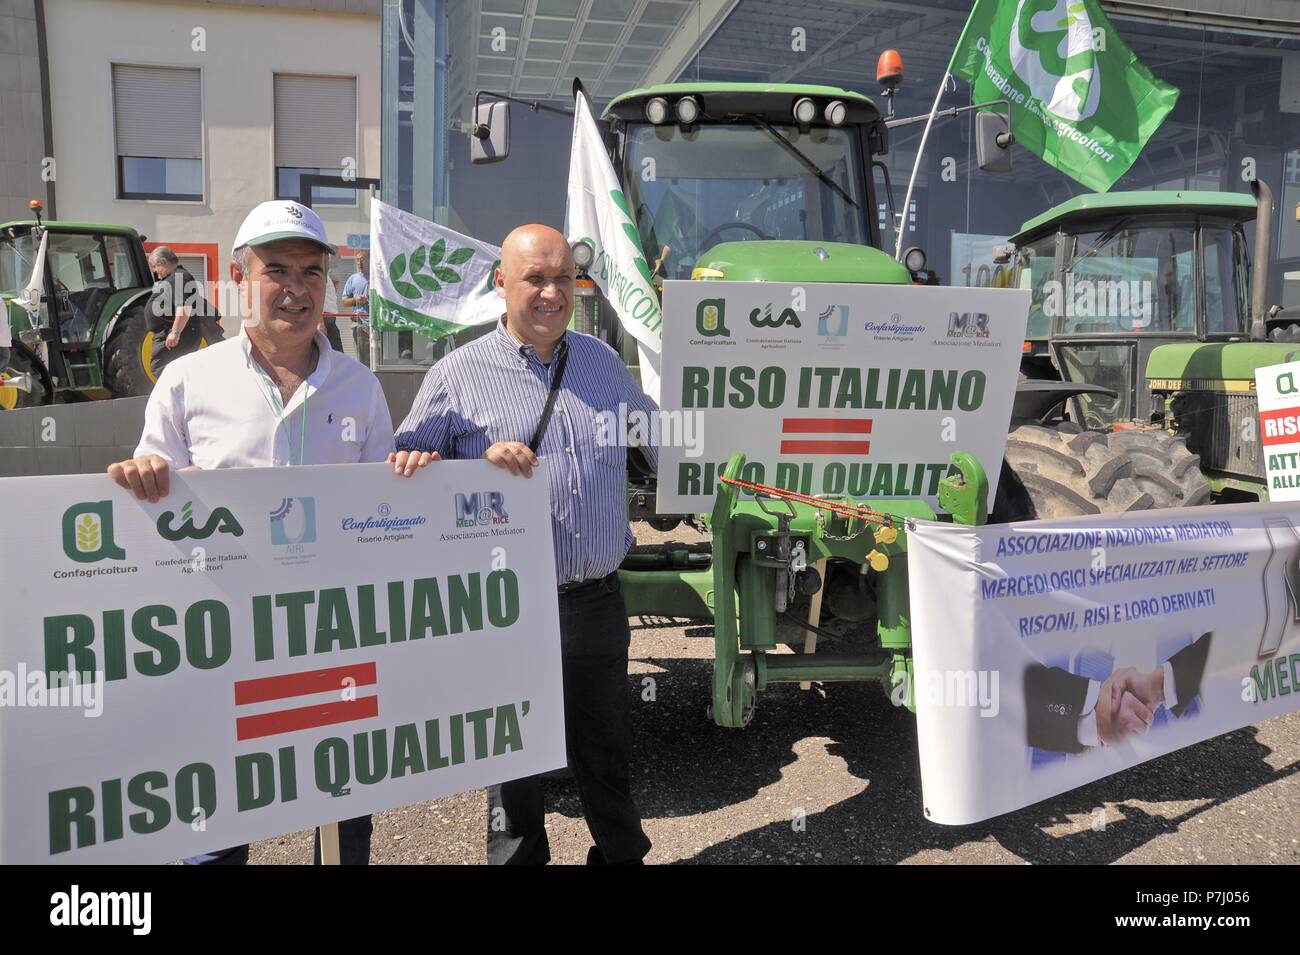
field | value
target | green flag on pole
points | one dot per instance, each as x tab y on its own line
1079	97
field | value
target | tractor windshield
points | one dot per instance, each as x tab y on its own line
1131	278
742	181
17	255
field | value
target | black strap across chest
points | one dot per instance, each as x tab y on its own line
556	378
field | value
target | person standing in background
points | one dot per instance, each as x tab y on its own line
356	296
178	315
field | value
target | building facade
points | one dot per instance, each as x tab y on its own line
176	118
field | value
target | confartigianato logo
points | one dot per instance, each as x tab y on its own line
893	327
384	523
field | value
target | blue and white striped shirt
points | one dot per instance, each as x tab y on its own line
494	388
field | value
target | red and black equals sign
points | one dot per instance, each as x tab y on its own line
815	436
342	708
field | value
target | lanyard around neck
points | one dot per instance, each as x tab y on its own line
267	384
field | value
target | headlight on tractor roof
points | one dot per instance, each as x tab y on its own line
656	110
688	110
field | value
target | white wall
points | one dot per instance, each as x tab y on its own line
245	46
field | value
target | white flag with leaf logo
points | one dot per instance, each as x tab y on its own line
598	214
428	278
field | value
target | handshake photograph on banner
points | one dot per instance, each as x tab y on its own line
1070	713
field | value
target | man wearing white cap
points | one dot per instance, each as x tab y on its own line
273	395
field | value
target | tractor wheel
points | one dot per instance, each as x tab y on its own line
1064	472
1289	334
1162	466
20	362
127	356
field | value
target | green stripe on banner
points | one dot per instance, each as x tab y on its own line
389	316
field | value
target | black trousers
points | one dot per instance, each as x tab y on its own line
332	333
594	640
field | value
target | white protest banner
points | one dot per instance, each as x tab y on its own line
276	648
1049	654
427	277
863	390
1278	388
598	213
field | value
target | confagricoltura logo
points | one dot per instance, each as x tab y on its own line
711	318
481	509
220	521
382	526
88	533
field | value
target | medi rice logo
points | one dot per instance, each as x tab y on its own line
968	325
481	509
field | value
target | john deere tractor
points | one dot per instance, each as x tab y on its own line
771	183
74	298
1145	330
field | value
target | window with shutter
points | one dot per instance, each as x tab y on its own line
197	266
158	125
315	133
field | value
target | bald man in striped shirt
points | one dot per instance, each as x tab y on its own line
487	400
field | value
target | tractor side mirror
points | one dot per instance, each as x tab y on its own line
490	136
993	141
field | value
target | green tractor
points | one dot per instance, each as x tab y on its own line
774	183
74	301
1144	335
750	182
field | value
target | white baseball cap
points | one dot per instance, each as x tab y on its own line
282	219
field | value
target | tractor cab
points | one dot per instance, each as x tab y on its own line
74	296
712	169
1115	275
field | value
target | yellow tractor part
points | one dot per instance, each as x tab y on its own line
8	396
146	355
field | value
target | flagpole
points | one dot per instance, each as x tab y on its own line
907	200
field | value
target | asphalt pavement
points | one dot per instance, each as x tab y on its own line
831	775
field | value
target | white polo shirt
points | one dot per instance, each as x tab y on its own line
217	408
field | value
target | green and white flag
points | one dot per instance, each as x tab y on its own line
598	214
1079	97
428	278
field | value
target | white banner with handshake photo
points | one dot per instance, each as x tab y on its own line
1063	651
266	650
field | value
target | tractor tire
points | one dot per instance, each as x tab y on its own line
1288	334
1162	466
126	357
1064	472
